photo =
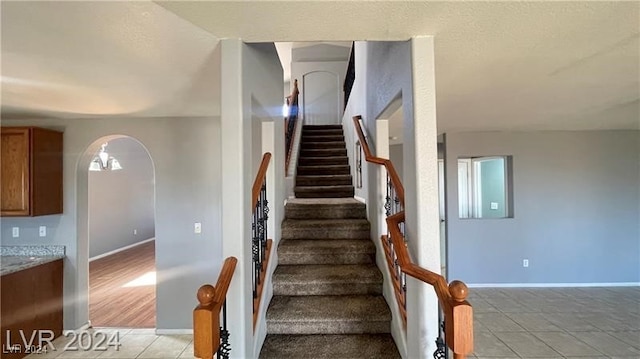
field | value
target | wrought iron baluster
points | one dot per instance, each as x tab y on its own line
441	351
259	237
387	198
254	251
225	346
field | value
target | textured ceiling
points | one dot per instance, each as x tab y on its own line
89	59
499	66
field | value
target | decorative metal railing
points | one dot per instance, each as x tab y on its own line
393	206
210	334
457	312
260	244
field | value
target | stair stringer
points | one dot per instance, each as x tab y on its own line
260	330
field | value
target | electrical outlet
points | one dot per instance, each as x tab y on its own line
15	232
197	228
525	263
135	232
43	231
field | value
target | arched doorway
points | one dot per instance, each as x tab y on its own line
321	99
120	233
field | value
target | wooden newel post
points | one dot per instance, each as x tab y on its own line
206	324
459	321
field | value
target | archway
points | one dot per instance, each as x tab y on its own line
118	210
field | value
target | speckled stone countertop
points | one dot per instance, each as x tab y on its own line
17	258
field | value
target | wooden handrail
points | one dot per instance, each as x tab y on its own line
292	102
293	98
369	157
206	316
260	177
457	310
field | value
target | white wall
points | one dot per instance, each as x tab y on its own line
320	59
121	202
321	101
396	156
575	196
252	88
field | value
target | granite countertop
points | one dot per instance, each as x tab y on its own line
17	258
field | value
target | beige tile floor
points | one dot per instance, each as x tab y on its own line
509	323
557	323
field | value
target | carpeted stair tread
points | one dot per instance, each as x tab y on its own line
323	161
325	208
322	127
324	191
330	346
334	132
312	137
294	280
323	152
325	229
332	314
308	144
323	170
324	180
326	251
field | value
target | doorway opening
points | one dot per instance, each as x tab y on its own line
121	234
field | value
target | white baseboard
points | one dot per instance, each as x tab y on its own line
121	249
174	331
360	199
552	285
82	328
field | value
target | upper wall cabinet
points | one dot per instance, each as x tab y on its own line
31	171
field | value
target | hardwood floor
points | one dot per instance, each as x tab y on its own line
122	290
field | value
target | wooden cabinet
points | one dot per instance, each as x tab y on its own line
31	170
32	300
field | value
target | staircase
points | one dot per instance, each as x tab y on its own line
323	166
327	288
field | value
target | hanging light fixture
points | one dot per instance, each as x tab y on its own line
104	162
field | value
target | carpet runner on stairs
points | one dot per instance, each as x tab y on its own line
323	166
327	288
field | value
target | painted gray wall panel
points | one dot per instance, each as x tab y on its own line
396	157
121	201
576	209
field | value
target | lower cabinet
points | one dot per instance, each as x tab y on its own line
31	308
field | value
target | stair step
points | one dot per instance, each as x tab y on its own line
329	346
315	132
324	170
325	229
309	145
323	152
324	191
340	314
326	251
312	137
325	208
346	279
322	127
317	161
324	180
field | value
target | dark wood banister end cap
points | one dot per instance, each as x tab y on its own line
459	291
205	294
